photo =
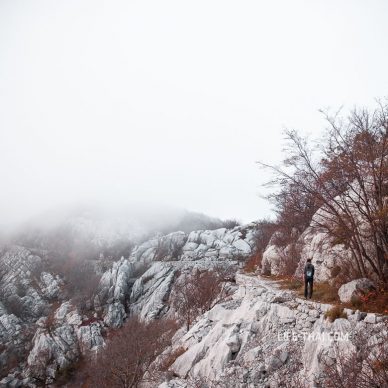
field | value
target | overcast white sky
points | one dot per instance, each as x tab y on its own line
172	101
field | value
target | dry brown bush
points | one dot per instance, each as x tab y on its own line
80	278
129	355
253	262
197	293
366	367
346	177
335	312
168	359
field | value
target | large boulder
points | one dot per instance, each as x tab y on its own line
355	288
324	253
273	256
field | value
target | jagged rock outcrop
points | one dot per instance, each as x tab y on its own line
262	334
114	291
211	244
329	252
119	293
324	254
24	285
59	342
40	337
52	350
241	342
26	293
275	256
151	291
312	244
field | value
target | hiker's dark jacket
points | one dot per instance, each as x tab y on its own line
309	270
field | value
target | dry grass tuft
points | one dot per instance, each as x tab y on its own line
325	292
290	283
371	302
253	263
335	312
171	357
322	291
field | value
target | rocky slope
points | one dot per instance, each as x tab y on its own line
264	336
312	244
49	333
241	342
40	332
120	292
328	254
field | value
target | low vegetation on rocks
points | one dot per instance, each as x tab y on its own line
194	294
373	301
335	312
362	368
128	359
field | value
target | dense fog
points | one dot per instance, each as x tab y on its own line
168	102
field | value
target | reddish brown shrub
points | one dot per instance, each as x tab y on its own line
199	292
366	367
129	355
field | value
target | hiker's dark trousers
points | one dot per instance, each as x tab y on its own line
306	288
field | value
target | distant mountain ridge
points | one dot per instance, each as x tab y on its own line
86	230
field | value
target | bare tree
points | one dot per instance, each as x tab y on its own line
230	224
81	280
347	177
366	367
197	293
263	234
128	358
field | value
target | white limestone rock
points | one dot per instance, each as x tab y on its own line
222	345
166	248
51	285
355	288
214	244
52	351
324	254
66	313
370	318
151	291
274	257
234	343
242	246
90	337
115	315
114	283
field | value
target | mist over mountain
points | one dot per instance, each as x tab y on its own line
86	230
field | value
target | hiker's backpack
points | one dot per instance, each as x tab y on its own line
309	272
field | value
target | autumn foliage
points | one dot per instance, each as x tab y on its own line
346	178
198	292
129	356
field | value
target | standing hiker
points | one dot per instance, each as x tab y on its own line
308	279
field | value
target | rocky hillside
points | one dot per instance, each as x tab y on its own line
43	333
329	254
266	337
259	336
